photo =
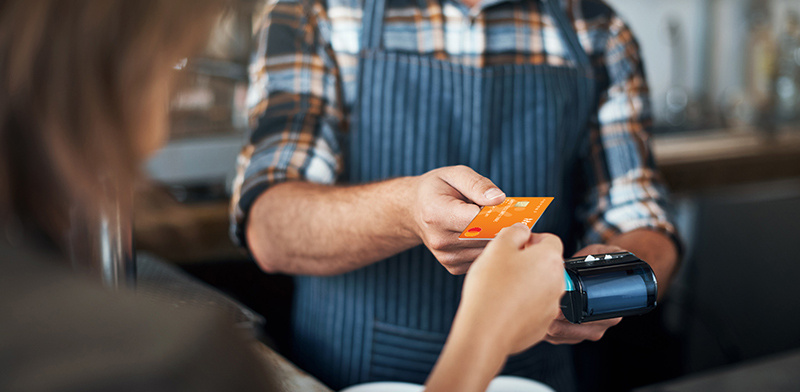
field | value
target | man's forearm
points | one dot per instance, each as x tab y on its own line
310	229
656	248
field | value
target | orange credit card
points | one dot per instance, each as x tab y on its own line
512	210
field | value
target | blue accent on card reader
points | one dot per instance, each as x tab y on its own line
570	286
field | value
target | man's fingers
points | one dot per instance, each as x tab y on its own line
457	263
475	187
597	249
459	215
464	244
563	332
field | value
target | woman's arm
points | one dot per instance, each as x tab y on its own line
510	295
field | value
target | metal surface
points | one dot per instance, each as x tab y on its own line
160	281
101	240
208	113
207	160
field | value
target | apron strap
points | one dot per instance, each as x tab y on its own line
372	22
570	36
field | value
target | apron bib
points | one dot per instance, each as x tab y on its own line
519	125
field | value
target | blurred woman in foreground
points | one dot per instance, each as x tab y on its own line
85	90
84	97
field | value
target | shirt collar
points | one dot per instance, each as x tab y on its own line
484	4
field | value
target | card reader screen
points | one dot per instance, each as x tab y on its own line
614	292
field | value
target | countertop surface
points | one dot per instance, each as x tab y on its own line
289	378
774	374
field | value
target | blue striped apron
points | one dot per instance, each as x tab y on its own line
519	125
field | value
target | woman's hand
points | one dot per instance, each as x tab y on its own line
513	289
510	296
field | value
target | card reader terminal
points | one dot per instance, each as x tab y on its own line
605	286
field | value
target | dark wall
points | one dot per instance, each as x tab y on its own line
735	299
742	296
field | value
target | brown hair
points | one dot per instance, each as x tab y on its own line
83	95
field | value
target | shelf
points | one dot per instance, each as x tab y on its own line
718	158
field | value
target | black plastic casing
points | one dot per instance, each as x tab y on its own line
613	285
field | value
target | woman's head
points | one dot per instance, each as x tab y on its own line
84	95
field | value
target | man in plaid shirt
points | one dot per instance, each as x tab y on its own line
371	124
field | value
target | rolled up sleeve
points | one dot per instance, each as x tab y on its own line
295	109
625	191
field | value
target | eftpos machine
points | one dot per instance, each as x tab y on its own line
604	286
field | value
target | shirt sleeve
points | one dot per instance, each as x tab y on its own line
295	108
625	191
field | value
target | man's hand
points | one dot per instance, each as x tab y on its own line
444	202
562	331
401	213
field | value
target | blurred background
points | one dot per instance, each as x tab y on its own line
725	84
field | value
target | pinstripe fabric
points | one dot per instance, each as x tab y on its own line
304	78
517	124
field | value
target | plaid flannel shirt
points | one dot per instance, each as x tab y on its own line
303	82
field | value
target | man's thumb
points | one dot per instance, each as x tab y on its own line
475	187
